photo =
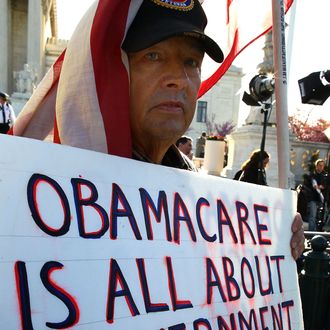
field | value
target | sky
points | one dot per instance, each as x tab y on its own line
308	48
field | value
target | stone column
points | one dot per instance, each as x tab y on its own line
4	42
35	52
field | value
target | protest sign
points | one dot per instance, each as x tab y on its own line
93	241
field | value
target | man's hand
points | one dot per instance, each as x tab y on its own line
298	239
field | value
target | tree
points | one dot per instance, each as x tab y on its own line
306	131
220	129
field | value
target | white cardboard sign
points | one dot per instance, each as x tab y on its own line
92	241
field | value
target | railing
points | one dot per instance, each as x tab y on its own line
314	281
310	234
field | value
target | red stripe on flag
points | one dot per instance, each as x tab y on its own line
56	137
228	9
208	83
237	44
57	66
111	77
217	75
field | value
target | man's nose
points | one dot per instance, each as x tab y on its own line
176	75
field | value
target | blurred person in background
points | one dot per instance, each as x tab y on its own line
200	146
7	114
316	183
253	169
184	144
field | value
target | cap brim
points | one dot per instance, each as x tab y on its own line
211	48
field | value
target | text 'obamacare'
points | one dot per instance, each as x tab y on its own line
247	225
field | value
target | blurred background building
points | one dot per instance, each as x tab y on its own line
29	45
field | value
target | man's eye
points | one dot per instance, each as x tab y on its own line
193	63
152	56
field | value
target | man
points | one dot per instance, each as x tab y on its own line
165	46
167	63
200	145
316	185
7	114
184	144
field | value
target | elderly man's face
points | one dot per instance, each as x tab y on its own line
165	80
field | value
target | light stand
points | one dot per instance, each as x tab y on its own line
261	91
265	109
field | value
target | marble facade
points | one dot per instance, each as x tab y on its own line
26	27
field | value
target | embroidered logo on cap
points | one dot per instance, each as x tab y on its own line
177	5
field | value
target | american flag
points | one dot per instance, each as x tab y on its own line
241	23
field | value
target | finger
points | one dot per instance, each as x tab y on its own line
298	244
297	223
298	238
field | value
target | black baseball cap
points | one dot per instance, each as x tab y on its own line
157	20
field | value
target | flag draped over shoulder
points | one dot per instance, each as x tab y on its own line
83	100
235	24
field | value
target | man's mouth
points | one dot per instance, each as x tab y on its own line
170	106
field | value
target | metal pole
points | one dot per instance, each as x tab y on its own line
264	110
283	150
291	31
